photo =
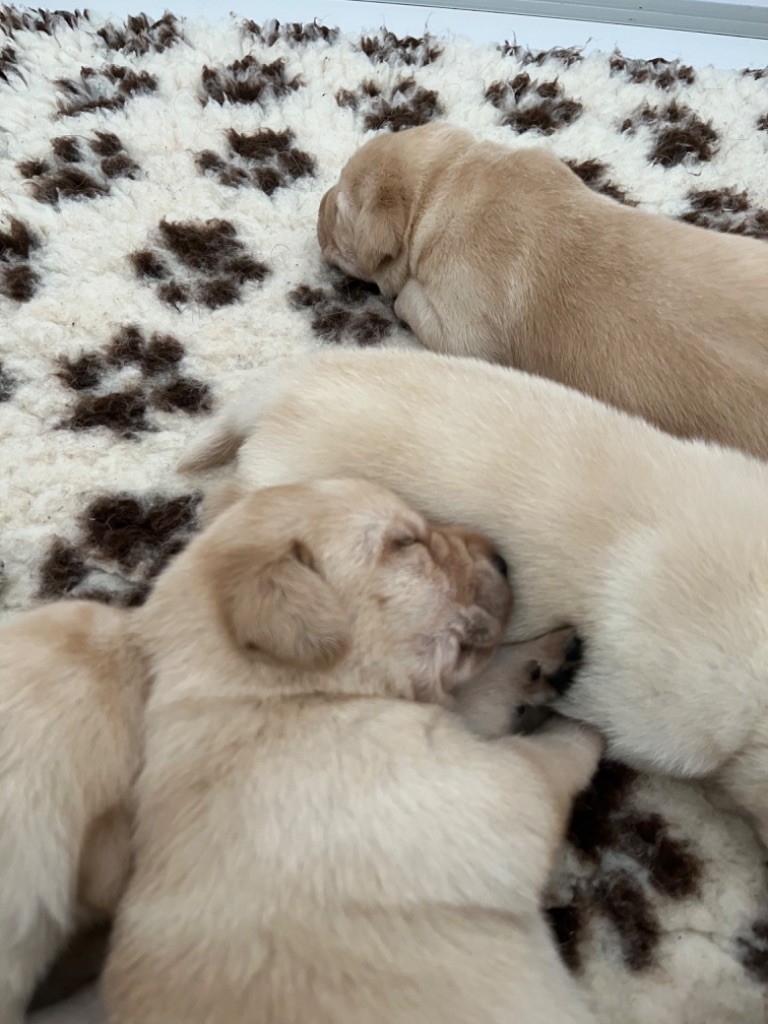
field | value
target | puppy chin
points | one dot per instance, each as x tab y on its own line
334	257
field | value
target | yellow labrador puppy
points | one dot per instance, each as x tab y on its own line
320	840
656	549
72	688
507	255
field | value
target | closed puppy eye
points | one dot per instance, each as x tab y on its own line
405	540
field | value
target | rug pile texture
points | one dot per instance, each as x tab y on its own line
159	186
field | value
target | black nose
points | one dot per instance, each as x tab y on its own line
501	565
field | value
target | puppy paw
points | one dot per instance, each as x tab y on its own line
553	664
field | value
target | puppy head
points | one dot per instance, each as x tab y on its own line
363	219
342	573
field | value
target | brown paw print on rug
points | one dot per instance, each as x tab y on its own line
596	174
109	88
18	242
565	56
117	387
630	859
752	950
9	63
727	210
78	168
198	261
139	35
678	134
294	33
123	542
413	51
247	81
526	104
664	74
346	310
266	160
402	105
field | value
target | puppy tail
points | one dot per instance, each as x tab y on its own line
220	445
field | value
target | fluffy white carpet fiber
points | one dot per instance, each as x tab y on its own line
159	185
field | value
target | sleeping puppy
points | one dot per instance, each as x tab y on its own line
72	687
656	549
320	839
506	255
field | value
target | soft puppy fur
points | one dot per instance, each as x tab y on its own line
507	255
72	687
656	549
320	839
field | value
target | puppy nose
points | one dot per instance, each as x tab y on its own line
500	564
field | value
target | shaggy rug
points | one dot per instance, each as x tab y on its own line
159	186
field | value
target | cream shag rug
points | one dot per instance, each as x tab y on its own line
159	185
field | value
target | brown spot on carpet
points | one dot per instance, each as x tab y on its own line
564	55
527	105
413	51
105	400
18	281
594	173
727	210
138	35
266	159
109	88
752	951
247	81
664	74
347	310
403	105
294	33
678	134
201	261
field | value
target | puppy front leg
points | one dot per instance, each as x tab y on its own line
518	676
546	771
414	308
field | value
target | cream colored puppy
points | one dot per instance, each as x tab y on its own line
507	255
72	686
320	839
656	549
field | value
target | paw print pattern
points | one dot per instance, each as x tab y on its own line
247	81
9	64
752	950
266	160
403	105
7	384
118	387
527	105
632	858
729	211
347	310
197	261
595	174
664	74
679	134
566	56
139	35
123	542
294	33
110	88
75	172
18	281
387	48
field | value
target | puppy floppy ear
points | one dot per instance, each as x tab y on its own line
289	612
380	229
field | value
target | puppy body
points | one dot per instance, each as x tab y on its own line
655	548
71	691
314	846
507	255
